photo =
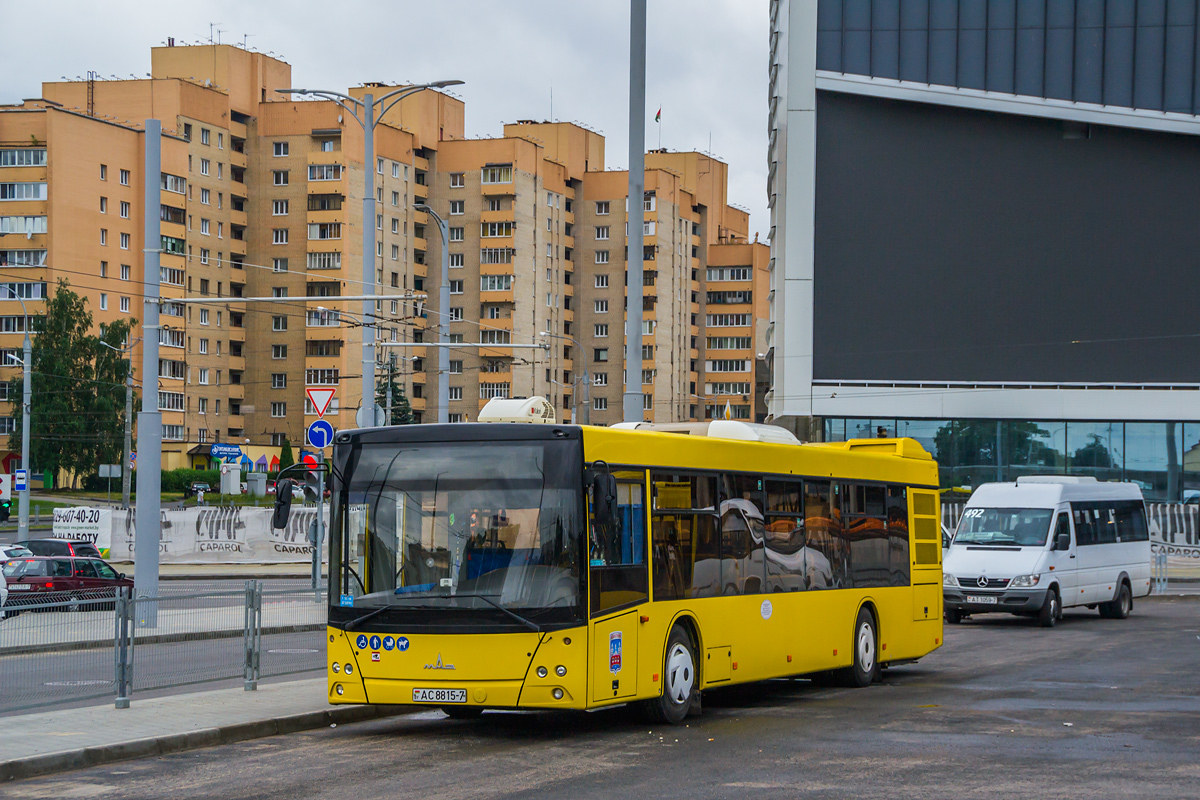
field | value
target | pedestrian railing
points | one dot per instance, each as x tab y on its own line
85	647
1159	565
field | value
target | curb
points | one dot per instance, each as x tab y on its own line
50	763
164	638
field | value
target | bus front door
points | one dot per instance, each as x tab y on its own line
614	663
618	583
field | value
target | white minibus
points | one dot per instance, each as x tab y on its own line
1044	543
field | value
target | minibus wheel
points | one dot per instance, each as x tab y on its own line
954	616
1119	608
1051	610
680	681
865	649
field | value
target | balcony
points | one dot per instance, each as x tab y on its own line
237	130
237	247
237	363
498	189
502	324
420	163
237	391
420	193
419	243
237	217
504	215
496	297
237	159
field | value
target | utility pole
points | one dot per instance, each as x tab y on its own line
390	384
126	468
443	410
368	121
632	401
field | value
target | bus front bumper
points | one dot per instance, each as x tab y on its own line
1010	601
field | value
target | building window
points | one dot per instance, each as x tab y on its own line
495	229
456	313
203	255
600	354
278	351
318	231
600	404
456	287
495	283
124	210
203	377
495	204
601	232
395	198
103	237
602	257
204	227
204	134
278	410
324	260
125	241
279	236
455	367
281	149
204	347
601	330
456	260
601	306
103	302
124	305
601	207
279	208
498	173
204	316
324	172
124	272
103	200
601	281
457	206
280	176
279	264
456	393
321	377
456	234
124	177
600	379
457	180
395	252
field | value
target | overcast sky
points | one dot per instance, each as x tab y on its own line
706	61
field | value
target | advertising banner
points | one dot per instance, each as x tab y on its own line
221	535
83	524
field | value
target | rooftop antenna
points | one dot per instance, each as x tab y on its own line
211	27
245	36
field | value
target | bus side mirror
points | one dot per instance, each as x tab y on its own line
1062	542
604	499
283	504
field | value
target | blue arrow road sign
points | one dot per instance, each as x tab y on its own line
320	434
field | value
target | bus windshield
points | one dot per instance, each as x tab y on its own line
492	527
1022	527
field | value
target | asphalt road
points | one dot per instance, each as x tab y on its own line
1094	708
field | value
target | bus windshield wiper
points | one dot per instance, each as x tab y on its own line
528	623
352	624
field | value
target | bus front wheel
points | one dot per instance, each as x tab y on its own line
865	648
680	680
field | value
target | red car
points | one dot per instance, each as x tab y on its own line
84	583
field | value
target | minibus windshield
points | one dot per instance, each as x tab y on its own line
1023	527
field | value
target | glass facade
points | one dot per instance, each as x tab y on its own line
1163	458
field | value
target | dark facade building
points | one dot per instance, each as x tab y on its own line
985	217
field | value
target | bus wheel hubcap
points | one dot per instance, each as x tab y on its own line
681	674
866	648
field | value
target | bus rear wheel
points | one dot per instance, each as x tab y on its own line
1119	608
680	681
865	648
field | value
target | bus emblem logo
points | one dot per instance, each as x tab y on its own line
439	664
614	651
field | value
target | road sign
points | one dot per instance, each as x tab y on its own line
225	451
110	471
5	487
320	434
364	420
20	480
321	398
132	459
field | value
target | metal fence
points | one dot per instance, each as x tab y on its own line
87	647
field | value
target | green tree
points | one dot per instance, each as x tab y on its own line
1092	454
77	416
286	459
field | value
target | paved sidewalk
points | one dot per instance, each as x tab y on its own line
56	741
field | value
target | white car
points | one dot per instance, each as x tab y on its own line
10	551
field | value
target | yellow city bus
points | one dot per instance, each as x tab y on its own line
502	565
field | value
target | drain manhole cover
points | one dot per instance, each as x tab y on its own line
78	683
292	651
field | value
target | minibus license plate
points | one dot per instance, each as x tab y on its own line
439	695
981	598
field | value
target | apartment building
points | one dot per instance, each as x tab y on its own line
263	196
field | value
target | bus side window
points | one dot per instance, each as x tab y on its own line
897	526
742	534
830	567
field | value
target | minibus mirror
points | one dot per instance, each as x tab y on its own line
283	504
1062	541
604	499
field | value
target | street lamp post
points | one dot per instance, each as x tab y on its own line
368	121
587	380
443	317
126	467
27	365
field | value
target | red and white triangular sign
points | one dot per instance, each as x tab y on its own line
321	398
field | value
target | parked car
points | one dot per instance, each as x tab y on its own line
10	551
197	486
86	583
60	547
3	598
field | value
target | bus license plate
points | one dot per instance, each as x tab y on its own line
439	695
981	598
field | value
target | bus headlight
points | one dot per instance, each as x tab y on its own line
340	691
558	694
541	672
349	668
949	580
1024	581
337	667
560	670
